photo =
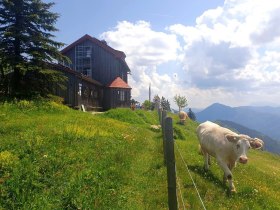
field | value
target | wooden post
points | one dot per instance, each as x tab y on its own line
163	116
170	161
159	115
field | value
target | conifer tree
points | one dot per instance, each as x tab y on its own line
162	103
191	115
168	108
26	44
165	104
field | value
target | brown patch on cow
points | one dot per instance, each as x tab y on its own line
232	138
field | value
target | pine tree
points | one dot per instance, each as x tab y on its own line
191	115
162	103
165	104
26	44
168	108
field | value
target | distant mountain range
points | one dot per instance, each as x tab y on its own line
264	119
269	144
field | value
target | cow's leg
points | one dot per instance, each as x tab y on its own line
225	178
206	158
227	174
206	163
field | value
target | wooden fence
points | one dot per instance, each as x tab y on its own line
169	161
169	157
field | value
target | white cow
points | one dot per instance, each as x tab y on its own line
183	116
226	146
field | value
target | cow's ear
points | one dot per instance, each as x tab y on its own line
232	138
256	143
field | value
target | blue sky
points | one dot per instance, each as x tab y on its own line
207	50
95	17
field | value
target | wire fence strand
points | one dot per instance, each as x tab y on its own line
180	191
190	175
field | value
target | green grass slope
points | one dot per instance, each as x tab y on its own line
257	182
52	157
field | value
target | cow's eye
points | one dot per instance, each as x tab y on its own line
237	146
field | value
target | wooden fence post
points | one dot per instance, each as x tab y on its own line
159	115
163	116
170	161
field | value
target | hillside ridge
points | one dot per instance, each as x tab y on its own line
270	144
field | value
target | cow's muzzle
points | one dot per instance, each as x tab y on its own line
243	160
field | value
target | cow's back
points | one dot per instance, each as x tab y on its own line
183	115
212	138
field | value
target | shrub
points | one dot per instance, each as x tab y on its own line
24	104
54	98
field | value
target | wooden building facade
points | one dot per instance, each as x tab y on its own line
80	89
97	75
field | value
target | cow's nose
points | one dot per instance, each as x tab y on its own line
243	160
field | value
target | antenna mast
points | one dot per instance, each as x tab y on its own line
150	92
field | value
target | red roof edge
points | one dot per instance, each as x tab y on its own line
119	83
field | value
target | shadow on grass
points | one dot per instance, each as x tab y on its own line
247	192
209	176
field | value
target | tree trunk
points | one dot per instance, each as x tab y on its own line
2	80
16	79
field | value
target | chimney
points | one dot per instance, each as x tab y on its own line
104	42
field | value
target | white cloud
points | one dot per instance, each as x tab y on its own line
234	48
145	50
231	55
143	46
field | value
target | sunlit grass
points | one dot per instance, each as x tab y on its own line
257	182
52	157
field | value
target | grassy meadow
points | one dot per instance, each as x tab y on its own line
257	182
52	157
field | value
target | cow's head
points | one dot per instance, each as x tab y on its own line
241	144
256	143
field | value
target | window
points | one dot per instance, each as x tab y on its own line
122	95
87	72
88	51
95	94
83	59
